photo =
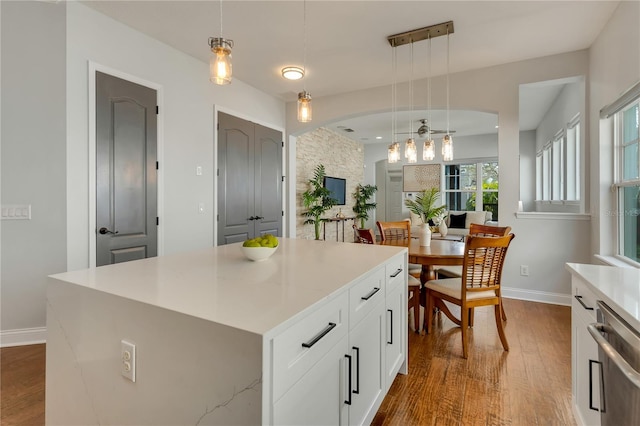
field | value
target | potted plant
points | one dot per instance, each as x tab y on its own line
317	200
361	208
425	206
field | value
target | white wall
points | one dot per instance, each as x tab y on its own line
542	244
614	64
528	169
187	111
33	162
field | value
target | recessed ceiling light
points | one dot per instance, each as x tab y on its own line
378	137
292	73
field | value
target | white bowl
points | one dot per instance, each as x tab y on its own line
258	253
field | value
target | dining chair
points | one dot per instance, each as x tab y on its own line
455	271
479	286
401	230
364	236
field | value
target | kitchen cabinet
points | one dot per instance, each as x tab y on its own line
585	371
395	340
222	340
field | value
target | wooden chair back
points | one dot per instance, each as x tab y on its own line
364	236
488	231
483	263
400	230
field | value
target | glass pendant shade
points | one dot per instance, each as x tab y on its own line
304	107
429	150
220	71
447	148
394	153
411	151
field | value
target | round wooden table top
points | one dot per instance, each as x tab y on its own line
440	252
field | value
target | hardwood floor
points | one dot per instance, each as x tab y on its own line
529	385
22	385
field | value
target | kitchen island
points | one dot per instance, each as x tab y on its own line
314	334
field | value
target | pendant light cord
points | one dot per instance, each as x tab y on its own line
447	80
220	18
411	95
304	49
429	123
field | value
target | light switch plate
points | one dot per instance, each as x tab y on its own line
16	212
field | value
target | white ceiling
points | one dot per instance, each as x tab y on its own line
347	46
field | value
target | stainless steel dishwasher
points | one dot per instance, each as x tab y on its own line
619	362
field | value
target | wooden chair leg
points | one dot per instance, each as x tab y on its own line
503	337
415	302
504	315
464	326
428	312
470	317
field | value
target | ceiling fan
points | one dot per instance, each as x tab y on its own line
424	129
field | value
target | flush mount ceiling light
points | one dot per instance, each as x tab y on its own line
220	71
292	73
304	98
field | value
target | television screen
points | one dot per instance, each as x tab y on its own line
337	187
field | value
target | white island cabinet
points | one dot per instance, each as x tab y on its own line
619	288
313	335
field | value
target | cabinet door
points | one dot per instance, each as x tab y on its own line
367	377
318	398
586	370
395	335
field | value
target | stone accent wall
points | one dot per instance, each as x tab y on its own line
342	158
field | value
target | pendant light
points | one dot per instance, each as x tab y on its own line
393	155
429	147
447	141
220	71
410	148
304	98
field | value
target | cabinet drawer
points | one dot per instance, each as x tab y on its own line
301	346
365	295
584	300
396	271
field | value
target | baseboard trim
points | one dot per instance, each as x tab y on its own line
536	296
23	336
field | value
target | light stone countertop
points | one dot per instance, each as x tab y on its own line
219	284
617	287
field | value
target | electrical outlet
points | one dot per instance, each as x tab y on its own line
128	360
524	270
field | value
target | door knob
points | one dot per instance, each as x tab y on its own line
252	218
104	231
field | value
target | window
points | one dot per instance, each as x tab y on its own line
558	166
627	143
461	189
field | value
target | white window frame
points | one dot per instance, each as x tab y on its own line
478	190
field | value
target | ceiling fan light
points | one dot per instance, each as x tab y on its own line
304	107
429	150
292	73
220	69
447	148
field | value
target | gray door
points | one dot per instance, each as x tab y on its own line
126	175
249	180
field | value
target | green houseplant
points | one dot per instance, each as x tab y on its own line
317	200
361	208
425	206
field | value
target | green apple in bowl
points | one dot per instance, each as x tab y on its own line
260	248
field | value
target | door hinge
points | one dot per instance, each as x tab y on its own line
283	178
157	165
283	213
217	218
157	220
218	172
157	110
283	144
